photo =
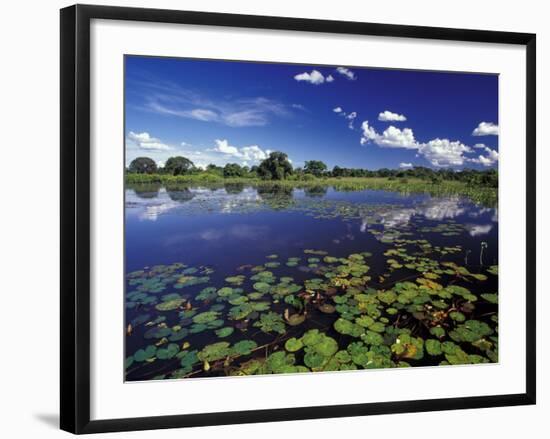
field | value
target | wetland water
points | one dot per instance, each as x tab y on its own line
241	280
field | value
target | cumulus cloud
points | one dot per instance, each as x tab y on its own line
439	152
485	129
368	133
479	146
444	153
403	165
489	159
347	73
337	109
388	116
145	141
329	78
251	153
315	77
393	137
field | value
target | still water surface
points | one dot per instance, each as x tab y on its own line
227	231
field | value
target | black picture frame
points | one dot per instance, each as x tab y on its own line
75	217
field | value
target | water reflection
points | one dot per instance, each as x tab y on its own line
479	229
148	202
434	209
316	191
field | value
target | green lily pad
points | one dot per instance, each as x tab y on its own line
387	297
457	316
314	360
489	297
169	305
168	352
215	351
346	327
235	280
271	322
262	287
244	347
225	292
178	334
224	332
206	317
188	359
157	332
470	331
433	347
145	354
279	362
293	344
437	331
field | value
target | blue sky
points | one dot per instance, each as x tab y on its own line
237	112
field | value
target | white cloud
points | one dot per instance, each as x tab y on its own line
298	106
347	73
486	160
351	117
338	110
254	153
479	146
315	77
251	153
224	147
171	99
145	141
444	153
486	129
368	133
330	78
393	137
403	165
388	116
203	114
439	152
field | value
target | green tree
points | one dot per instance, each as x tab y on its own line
214	169
178	165
315	167
233	170
143	165
275	167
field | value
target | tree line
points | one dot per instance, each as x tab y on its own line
278	167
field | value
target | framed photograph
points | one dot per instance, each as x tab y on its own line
268	218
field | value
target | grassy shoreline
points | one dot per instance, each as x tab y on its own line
480	194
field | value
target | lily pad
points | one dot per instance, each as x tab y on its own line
271	322
224	332
168	352
433	347
293	344
169	305
142	355
215	351
244	347
206	317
